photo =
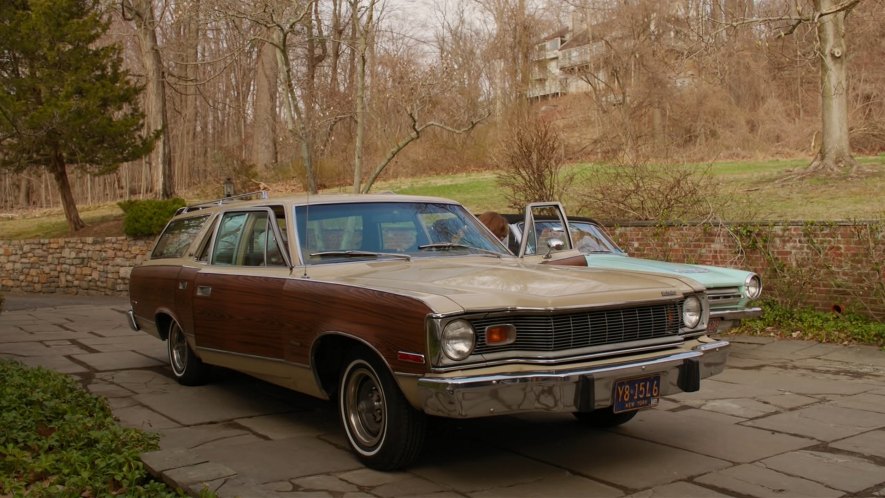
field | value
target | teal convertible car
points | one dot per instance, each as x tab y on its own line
730	291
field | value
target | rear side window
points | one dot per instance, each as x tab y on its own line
247	239
177	237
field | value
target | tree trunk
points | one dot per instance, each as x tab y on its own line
155	96
187	159
361	44
834	155
335	44
24	193
264	148
60	173
316	53
295	118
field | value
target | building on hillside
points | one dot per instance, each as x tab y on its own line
565	61
589	56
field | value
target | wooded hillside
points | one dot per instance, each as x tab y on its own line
311	91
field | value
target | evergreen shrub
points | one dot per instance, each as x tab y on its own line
146	218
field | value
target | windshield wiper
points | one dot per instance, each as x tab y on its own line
443	246
446	246
359	254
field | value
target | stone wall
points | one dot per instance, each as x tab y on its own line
90	265
812	264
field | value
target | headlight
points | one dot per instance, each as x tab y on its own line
753	286
458	340
691	312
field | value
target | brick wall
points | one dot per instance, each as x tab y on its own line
91	265
819	265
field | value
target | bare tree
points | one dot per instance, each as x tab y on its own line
409	99
531	158
835	149
628	58
828	17
141	12
515	30
363	30
264	129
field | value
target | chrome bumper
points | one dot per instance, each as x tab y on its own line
581	389
727	319
736	314
132	323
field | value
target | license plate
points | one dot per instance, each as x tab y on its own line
634	394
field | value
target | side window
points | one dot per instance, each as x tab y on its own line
177	237
547	231
280	214
548	225
256	240
203	254
228	240
246	239
274	256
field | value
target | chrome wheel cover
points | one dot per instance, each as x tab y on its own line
364	407
177	350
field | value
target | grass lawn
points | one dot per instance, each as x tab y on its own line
754	182
51	223
814	199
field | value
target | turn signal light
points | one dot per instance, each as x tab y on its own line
500	335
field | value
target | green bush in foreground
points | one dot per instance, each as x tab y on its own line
148	217
821	326
59	440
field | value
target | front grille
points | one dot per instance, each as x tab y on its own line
558	332
723	296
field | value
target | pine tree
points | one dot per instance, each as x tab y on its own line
65	100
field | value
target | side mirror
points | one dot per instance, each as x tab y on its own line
553	245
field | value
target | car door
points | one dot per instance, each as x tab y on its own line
545	239
236	293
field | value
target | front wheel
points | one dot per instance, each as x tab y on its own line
383	429
604	417
186	367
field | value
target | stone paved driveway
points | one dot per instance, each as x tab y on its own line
787	418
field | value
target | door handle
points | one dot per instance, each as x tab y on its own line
204	290
182	284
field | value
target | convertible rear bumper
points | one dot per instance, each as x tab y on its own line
736	314
580	388
724	320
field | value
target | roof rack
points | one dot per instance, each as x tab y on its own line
258	194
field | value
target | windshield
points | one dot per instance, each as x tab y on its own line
587	236
330	233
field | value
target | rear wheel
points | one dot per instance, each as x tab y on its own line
186	367
604	417
383	429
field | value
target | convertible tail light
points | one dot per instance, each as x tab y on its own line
500	335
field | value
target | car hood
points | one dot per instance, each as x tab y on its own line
457	284
710	276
